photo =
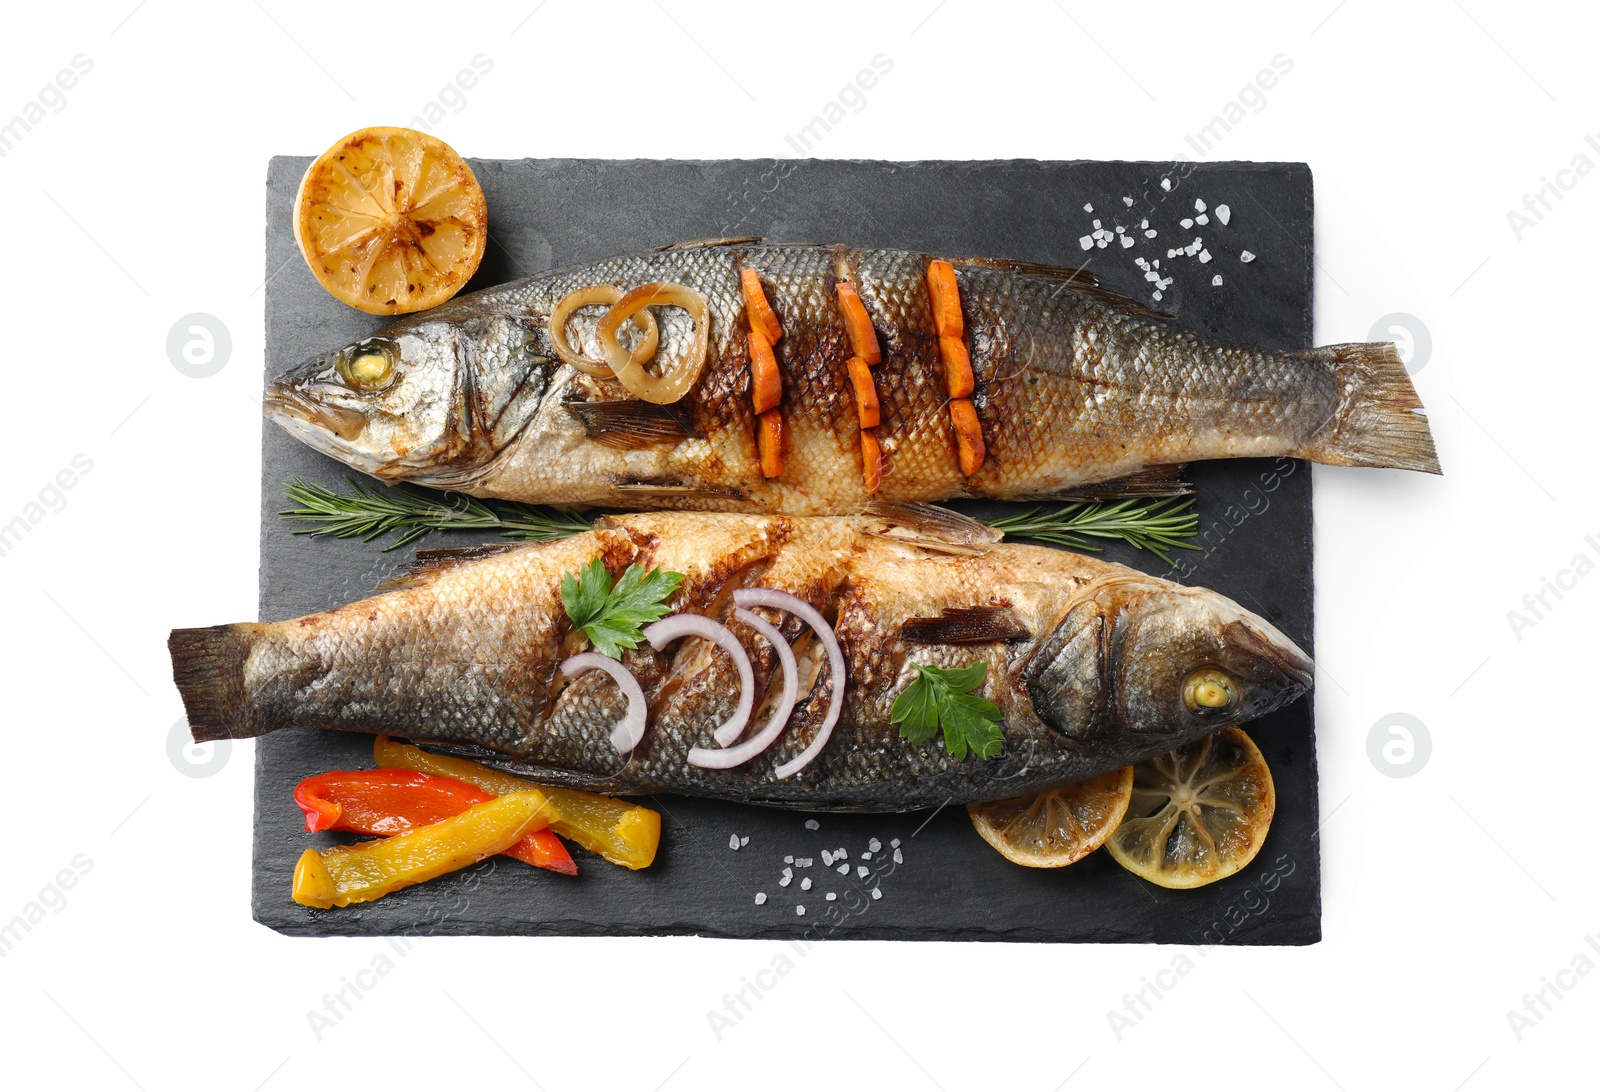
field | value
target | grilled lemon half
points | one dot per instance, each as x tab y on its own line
1053	829
1198	814
391	221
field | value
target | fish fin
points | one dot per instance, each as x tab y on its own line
1079	280
1380	420
429	564
931	527
705	244
559	777
630	423
208	669
1165	480
966	626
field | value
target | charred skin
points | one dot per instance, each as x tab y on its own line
1073	387
1088	677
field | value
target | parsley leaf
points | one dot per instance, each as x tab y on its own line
612	615
941	698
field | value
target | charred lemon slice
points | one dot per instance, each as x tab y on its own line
1198	814
1053	829
391	221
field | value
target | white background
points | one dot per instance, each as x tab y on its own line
1448	895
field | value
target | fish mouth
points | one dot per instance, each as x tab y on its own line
292	410
1263	640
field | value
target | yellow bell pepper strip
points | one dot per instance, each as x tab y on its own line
623	833
371	870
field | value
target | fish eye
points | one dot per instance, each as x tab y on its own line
367	366
1209	692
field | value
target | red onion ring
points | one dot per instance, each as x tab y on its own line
627	733
782	600
663	633
711	759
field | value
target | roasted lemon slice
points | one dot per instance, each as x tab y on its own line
1055	828
1198	814
391	221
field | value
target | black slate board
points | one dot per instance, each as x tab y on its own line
950	886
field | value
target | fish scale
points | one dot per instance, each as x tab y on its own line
1074	386
1088	670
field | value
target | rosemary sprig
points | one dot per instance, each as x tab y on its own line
1157	526
371	511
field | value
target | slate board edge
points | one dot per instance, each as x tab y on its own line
1294	929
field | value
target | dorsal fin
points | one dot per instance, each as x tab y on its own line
930	527
428	564
631	423
703	244
966	626
1079	280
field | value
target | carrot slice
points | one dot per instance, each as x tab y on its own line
769	441
969	435
756	307
766	385
957	367
946	299
871	461
866	391
863	339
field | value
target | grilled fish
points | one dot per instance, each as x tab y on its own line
1091	664
1074	386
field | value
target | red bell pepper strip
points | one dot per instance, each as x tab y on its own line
393	802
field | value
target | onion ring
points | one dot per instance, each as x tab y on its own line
712	759
663	633
627	733
598	295
678	378
782	600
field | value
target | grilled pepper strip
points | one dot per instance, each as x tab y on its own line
371	870
393	802
622	833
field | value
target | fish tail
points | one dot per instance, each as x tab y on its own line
1380	420
208	668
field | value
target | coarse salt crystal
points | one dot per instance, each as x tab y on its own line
1155	295
1205	256
1217	279
1186	223
1144	223
800	911
874	845
1166	184
1102	243
1151	234
894	842
866	855
788	860
827	856
1128	201
844	870
1090	208
830	896
898	859
805	862
805	884
863	871
1246	256
877	892
1127	241
1086	242
812	824
733	841
761	898
1096	223
1199	205
1223	212
1202	219
744	840
839	854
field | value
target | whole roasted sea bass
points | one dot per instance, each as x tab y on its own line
1072	386
1093	665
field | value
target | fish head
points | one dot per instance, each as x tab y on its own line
1158	664
425	400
